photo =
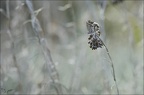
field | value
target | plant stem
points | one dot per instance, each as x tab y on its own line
113	70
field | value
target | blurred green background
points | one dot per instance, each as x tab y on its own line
57	59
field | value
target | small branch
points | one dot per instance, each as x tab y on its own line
44	47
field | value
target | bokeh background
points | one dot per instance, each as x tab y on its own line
44	47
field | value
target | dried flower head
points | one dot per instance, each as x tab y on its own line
94	33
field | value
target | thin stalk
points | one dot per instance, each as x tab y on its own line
112	65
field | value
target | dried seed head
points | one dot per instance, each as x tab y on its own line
89	21
94	40
96	25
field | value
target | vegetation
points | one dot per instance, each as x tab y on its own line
45	50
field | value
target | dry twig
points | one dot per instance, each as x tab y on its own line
44	47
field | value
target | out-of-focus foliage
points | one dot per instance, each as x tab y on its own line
58	59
